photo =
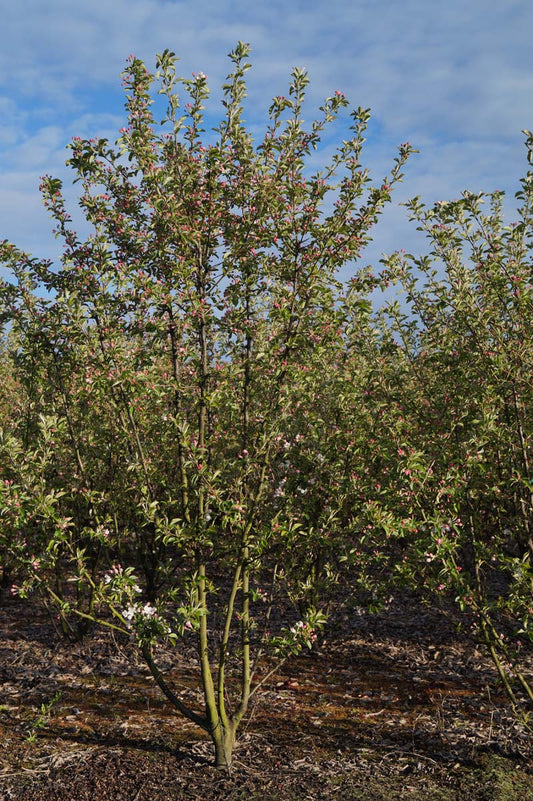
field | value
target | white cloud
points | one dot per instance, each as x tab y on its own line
454	78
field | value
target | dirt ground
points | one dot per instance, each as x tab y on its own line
392	706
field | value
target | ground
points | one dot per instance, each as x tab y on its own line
400	705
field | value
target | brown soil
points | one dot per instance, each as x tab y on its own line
392	706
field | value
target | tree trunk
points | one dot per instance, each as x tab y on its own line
224	741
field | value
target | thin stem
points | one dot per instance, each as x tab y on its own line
200	720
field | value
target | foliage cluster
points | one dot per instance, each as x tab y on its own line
204	433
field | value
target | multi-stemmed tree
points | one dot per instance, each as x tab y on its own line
171	436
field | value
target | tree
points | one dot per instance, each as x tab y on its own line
458	418
166	362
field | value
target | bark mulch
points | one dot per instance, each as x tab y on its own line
399	705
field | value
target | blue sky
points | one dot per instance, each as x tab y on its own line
453	78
